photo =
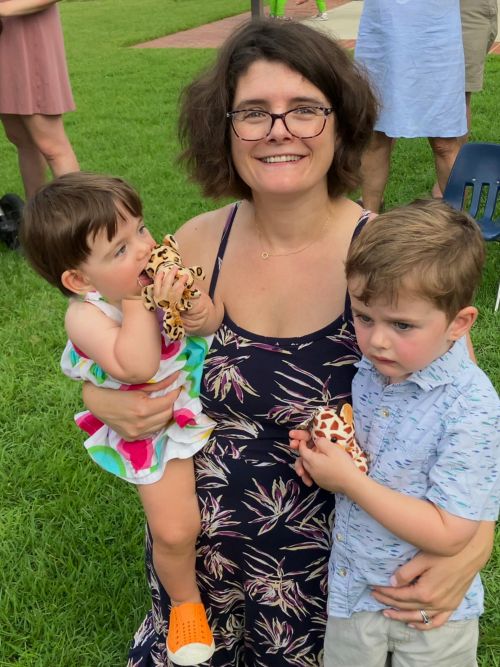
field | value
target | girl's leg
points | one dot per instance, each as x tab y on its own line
171	507
32	164
375	165
280	8
49	136
436	190
445	152
321	5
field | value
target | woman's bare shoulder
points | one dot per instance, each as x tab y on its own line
199	237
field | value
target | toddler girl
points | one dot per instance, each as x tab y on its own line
84	233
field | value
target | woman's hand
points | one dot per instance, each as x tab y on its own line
24	7
435	584
132	414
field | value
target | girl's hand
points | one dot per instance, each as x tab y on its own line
204	317
436	584
132	414
169	287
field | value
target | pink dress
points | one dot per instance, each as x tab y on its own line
33	73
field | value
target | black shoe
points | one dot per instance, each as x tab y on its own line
11	208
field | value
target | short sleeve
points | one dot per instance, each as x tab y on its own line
465	477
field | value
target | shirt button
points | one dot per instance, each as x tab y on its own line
385	412
342	572
339	537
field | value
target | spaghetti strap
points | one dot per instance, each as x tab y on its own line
359	226
222	248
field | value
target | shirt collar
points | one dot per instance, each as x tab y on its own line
443	370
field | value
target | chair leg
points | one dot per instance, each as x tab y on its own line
497	304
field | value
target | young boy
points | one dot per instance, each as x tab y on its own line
429	420
84	233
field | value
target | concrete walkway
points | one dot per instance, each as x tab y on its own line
343	21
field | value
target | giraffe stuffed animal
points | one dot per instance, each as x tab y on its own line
337	425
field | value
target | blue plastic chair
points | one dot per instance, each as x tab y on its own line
474	185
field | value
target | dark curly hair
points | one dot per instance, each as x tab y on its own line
205	132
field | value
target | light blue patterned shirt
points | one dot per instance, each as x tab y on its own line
435	436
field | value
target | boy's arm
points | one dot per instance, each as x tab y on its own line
417	521
130	352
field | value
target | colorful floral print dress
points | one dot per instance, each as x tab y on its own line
144	461
265	540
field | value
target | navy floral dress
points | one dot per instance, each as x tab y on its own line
265	541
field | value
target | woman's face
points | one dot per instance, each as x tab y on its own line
281	163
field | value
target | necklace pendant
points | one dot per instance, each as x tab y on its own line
264	255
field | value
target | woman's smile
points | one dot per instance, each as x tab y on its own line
281	162
274	159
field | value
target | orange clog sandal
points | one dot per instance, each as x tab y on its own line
189	639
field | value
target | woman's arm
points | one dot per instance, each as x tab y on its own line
132	414
23	7
436	583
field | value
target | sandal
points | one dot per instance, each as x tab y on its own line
189	639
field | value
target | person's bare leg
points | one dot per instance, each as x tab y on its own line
436	190
32	164
48	134
375	166
445	152
468	112
171	507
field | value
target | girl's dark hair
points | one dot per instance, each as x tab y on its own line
204	130
64	215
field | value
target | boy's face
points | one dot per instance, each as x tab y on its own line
114	267
407	336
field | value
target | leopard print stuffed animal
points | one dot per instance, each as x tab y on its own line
167	255
337	425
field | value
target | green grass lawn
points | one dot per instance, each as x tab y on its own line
72	587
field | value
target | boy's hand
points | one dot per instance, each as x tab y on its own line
297	437
328	465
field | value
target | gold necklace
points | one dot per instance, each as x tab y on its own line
265	254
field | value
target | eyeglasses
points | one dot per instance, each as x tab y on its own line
256	124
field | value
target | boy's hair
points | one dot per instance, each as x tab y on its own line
64	215
205	131
428	248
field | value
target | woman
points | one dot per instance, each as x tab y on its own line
282	129
413	53
35	89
